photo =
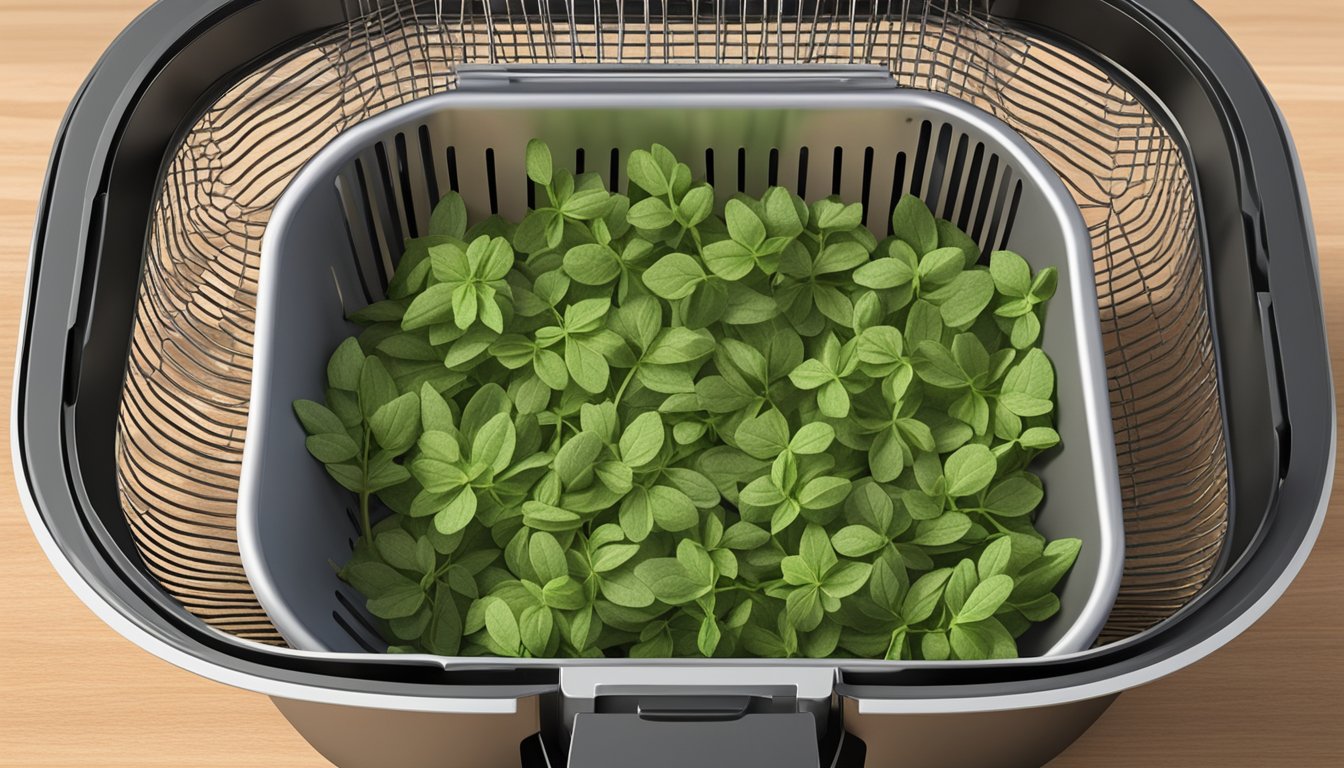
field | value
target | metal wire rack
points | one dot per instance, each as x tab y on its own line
185	401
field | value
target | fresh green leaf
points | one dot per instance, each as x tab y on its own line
913	223
396	425
969	470
674	277
642	440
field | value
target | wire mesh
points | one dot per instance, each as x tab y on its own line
185	401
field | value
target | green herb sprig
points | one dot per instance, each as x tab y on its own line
652	425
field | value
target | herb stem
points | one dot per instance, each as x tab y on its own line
629	376
364	490
559	432
994	522
442	569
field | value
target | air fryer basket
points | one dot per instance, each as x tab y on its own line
134	364
346	213
191	350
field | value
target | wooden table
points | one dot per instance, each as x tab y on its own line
73	693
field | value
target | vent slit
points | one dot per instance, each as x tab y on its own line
956	178
1012	217
837	167
578	161
802	172
427	159
391	220
972	184
742	169
615	170
709	166
939	168
773	173
354	250
452	169
353	206
366	203
359	623
897	188
921	158
350	631
986	193
1000	209
490	180
867	181
404	177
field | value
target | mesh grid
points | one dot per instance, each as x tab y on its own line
184	408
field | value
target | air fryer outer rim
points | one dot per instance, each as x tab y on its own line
40	432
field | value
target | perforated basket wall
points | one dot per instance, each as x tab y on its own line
185	401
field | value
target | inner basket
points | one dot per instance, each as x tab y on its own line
337	233
185	401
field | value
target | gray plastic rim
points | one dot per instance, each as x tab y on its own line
1085	316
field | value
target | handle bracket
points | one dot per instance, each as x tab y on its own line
678	735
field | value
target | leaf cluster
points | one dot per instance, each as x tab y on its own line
648	425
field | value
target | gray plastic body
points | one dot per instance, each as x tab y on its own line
337	232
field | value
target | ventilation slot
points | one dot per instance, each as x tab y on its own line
837	169
867	182
977	162
407	196
939	167
897	187
362	246
921	159
360	204
490	180
1012	216
802	172
394	233
977	229
1000	206
355	623
427	162
955	180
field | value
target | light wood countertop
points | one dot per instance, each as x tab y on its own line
74	693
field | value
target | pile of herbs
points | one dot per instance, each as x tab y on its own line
645	426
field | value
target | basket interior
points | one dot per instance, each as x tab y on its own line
183	414
347	213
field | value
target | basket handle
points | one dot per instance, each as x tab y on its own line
672	77
680	732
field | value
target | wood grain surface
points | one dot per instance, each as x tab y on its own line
74	693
